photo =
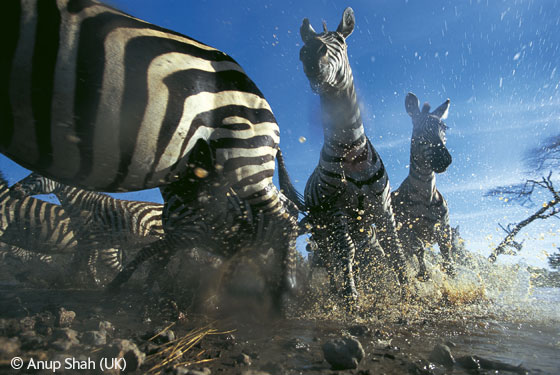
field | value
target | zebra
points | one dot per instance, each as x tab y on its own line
421	210
35	226
23	255
104	101
109	222
349	190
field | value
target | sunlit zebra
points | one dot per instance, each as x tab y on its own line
349	190
36	226
421	211
104	101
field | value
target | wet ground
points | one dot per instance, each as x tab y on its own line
443	329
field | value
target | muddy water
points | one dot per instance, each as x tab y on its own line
492	312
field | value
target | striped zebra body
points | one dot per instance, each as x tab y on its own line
117	221
114	103
102	221
421	210
39	227
349	190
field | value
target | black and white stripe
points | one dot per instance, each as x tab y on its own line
349	190
421	211
102	221
119	221
22	255
43	228
107	102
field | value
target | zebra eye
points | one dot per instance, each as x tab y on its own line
323	50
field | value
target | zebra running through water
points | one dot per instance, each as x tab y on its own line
420	209
107	222
349	190
104	101
43	228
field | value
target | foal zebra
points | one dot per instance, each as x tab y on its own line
349	190
104	101
36	226
420	209
108	222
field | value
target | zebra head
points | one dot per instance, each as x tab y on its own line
324	56
35	184
428	150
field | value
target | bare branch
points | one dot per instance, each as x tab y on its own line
545	156
547	210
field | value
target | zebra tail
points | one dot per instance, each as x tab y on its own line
286	185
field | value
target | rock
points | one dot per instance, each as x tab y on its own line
161	337
188	371
31	341
9	347
94	338
27	323
107	327
64	318
297	344
359	330
243	359
61	345
343	354
65	334
124	349
468	362
11	327
442	354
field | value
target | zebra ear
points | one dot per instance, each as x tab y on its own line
442	111
347	23
306	31
412	104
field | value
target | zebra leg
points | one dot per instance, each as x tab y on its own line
444	239
158	247
386	231
112	258
279	231
345	250
419	250
92	266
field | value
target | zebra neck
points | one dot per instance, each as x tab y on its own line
422	181
342	121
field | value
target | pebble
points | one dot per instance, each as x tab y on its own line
442	354
343	354
65	334
94	338
107	327
124	349
64	318
188	371
31	341
9	347
243	359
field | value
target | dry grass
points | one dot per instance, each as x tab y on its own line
173	352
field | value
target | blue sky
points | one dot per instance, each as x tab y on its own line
498	62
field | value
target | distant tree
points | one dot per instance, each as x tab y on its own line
539	159
554	260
